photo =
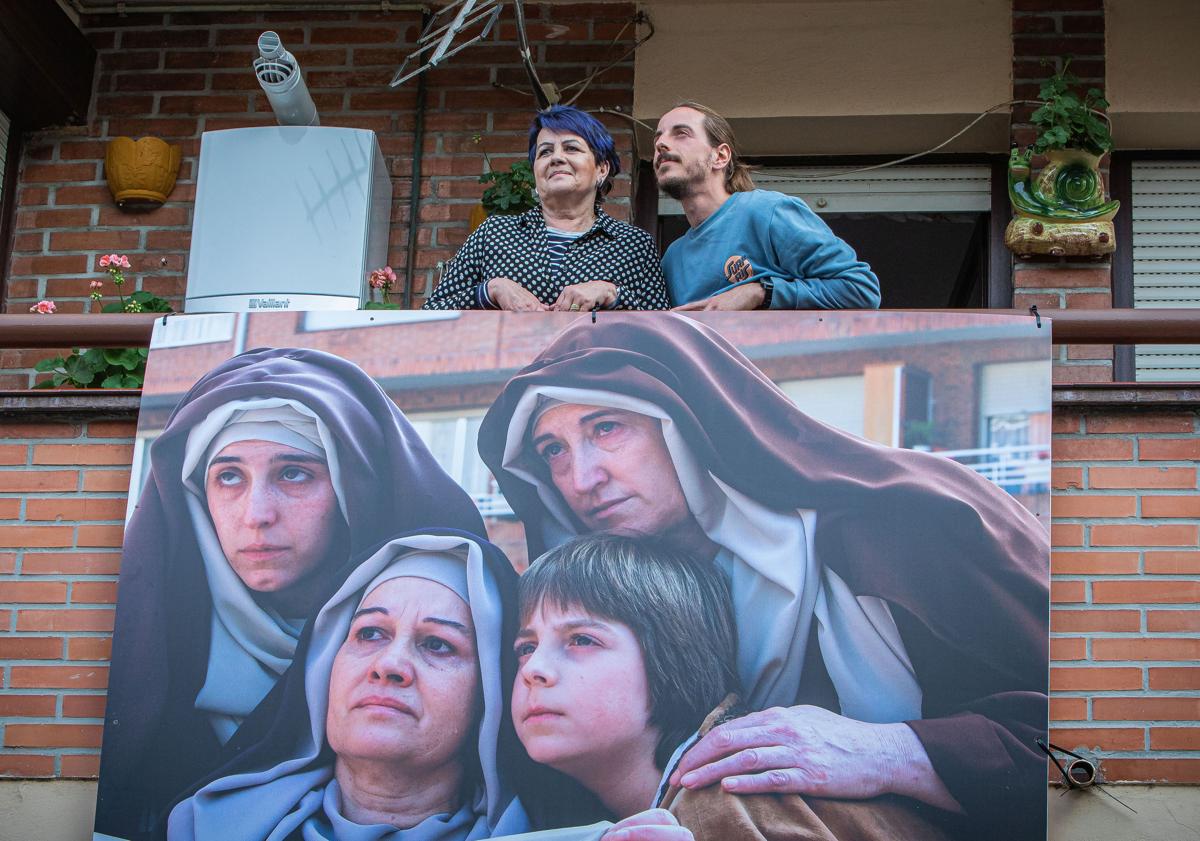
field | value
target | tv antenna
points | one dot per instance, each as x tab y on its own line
437	41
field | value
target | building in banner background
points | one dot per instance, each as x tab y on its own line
970	393
810	85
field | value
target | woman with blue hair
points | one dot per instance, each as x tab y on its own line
566	254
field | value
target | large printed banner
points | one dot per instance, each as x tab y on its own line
453	576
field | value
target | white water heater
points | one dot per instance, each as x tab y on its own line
287	218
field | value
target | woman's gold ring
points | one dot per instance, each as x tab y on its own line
574	307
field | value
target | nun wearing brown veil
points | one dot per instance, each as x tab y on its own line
885	586
213	595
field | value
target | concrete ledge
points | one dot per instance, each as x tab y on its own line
63	810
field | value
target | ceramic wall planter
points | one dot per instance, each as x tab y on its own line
1061	213
142	173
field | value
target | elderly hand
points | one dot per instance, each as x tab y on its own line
809	750
745	297
587	296
651	825
507	294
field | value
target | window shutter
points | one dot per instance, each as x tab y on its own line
898	189
1166	258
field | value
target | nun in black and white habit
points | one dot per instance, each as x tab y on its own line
292	784
195	648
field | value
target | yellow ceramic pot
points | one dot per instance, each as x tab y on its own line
141	174
478	214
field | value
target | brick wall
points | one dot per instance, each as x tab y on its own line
1125	627
63	489
177	75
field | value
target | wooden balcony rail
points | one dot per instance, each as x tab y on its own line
1083	327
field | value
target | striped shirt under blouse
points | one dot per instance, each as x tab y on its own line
525	250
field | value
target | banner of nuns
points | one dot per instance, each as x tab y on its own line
419	576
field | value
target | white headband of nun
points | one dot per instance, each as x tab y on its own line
275	419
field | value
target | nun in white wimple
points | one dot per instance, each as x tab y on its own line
406	712
275	469
266	504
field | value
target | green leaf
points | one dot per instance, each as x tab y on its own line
127	358
44	365
115	306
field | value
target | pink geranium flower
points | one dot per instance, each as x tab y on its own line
43	307
104	261
97	284
382	278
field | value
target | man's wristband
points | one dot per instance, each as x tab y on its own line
768	287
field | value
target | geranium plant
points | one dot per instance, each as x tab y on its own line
103	367
510	192
381	282
1067	121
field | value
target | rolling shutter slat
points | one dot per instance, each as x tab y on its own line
1166	259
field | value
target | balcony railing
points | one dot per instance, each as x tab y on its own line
1017	469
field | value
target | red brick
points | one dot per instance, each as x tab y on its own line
71	563
100	481
1171	506
1099	738
1090	678
1173	563
80	766
75	509
1183	478
94	241
53	735
1068	709
10	509
35	536
1062	478
83	454
1092	449
1172	620
1068	648
1092	505
1175	738
110	536
1171	648
356	35
30	648
214	104
94	592
1145	709
1142	535
58	173
51	265
64	620
1039	45
1172	677
8	563
33	592
1174	771
1089	300
58	677
1066	534
1149	591
159	82
83	706
1138	422
89	648
25	765
27	706
43	219
34	481
1169	449
1083	621
1068	591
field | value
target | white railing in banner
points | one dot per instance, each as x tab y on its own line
492	505
1028	464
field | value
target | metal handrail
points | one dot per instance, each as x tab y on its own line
1083	327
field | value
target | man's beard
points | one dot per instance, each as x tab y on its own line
683	185
677	188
